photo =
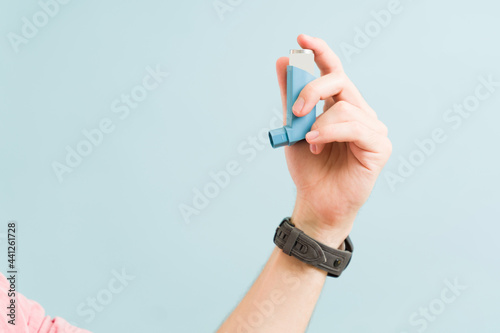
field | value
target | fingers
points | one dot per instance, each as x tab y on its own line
352	131
324	57
281	64
321	88
342	112
331	68
333	84
345	122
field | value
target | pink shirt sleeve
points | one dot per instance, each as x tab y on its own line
30	316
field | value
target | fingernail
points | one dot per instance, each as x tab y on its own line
313	148
312	135
298	105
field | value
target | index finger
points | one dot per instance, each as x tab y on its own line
330	65
327	61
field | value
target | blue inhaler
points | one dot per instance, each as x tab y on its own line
298	74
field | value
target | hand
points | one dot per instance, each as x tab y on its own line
335	169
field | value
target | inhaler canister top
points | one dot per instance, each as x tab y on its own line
303	59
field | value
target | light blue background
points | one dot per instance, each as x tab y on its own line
120	207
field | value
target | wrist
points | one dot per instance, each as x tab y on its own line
330	230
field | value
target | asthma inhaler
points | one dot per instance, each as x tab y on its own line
299	72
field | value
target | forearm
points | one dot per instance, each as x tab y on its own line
282	298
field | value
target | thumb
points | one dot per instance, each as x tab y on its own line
281	64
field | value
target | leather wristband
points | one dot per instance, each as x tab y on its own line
295	242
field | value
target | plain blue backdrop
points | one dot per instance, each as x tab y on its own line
119	209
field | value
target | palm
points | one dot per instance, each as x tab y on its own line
333	181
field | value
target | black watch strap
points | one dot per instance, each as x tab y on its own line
295	242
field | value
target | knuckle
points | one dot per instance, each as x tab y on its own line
328	129
343	78
372	112
342	106
310	90
357	127
385	130
387	148
322	43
